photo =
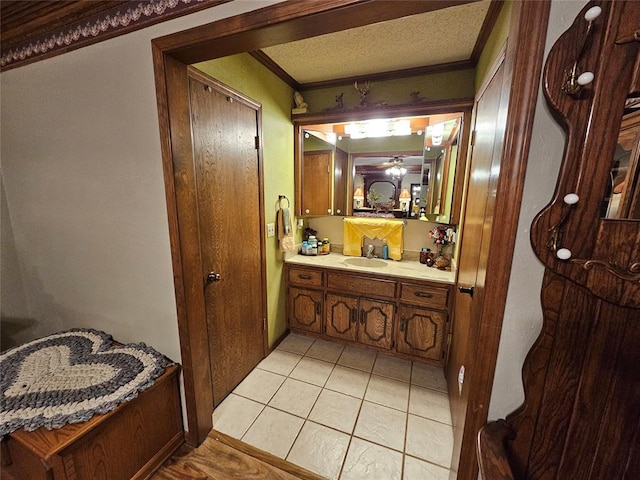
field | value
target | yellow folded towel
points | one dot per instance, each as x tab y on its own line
356	228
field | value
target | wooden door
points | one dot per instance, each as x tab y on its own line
316	181
224	131
341	316
476	232
422	332
305	309
376	320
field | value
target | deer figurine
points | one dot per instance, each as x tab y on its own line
363	91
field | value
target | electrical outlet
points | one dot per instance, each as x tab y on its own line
271	229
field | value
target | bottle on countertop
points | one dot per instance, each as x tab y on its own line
326	246
313	245
305	248
385	250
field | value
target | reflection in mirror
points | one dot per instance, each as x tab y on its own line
621	199
401	167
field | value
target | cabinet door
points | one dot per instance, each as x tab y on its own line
341	317
376	320
305	309
316	183
421	332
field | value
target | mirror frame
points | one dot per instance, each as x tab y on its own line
464	106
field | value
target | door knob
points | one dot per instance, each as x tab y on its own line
213	277
468	290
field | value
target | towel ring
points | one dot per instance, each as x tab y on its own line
283	197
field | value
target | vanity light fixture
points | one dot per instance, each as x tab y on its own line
437	133
378	128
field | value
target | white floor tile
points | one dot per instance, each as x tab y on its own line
280	362
349	381
320	450
371	462
415	469
336	410
274	432
295	397
313	371
327	351
391	367
388	392
295	343
429	440
259	385
357	358
235	415
429	377
430	404
382	425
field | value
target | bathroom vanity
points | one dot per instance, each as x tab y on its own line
403	308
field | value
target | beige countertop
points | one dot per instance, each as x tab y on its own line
405	268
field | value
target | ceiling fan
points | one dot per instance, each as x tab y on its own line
397	169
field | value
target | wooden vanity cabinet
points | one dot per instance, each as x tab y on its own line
359	320
385	312
423	321
304	304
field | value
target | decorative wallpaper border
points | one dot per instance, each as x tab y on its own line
107	24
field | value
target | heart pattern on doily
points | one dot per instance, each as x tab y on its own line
49	369
70	376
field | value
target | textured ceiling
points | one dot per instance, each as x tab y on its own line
433	38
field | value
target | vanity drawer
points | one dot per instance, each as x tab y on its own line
424	295
303	276
361	285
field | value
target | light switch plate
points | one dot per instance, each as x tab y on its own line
271	229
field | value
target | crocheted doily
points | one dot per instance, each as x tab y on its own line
70	376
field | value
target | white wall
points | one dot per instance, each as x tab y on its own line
523	314
85	236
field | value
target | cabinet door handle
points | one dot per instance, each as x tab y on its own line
354	315
318	308
362	316
304	277
423	294
467	290
403	324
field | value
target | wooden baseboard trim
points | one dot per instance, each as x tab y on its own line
264	456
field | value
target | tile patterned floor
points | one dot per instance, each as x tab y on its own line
343	413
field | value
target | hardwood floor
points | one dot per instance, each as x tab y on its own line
223	458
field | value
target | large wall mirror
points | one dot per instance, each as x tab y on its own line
382	164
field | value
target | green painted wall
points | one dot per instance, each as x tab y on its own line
438	86
244	74
494	44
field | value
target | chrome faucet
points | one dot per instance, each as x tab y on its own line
370	251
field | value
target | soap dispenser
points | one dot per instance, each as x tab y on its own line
385	250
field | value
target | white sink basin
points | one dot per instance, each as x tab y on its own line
365	262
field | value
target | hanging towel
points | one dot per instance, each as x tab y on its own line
285	230
356	228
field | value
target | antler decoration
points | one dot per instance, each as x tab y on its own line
363	92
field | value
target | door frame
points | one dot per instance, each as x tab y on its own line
293	20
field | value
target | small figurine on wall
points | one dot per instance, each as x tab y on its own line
363	91
301	105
